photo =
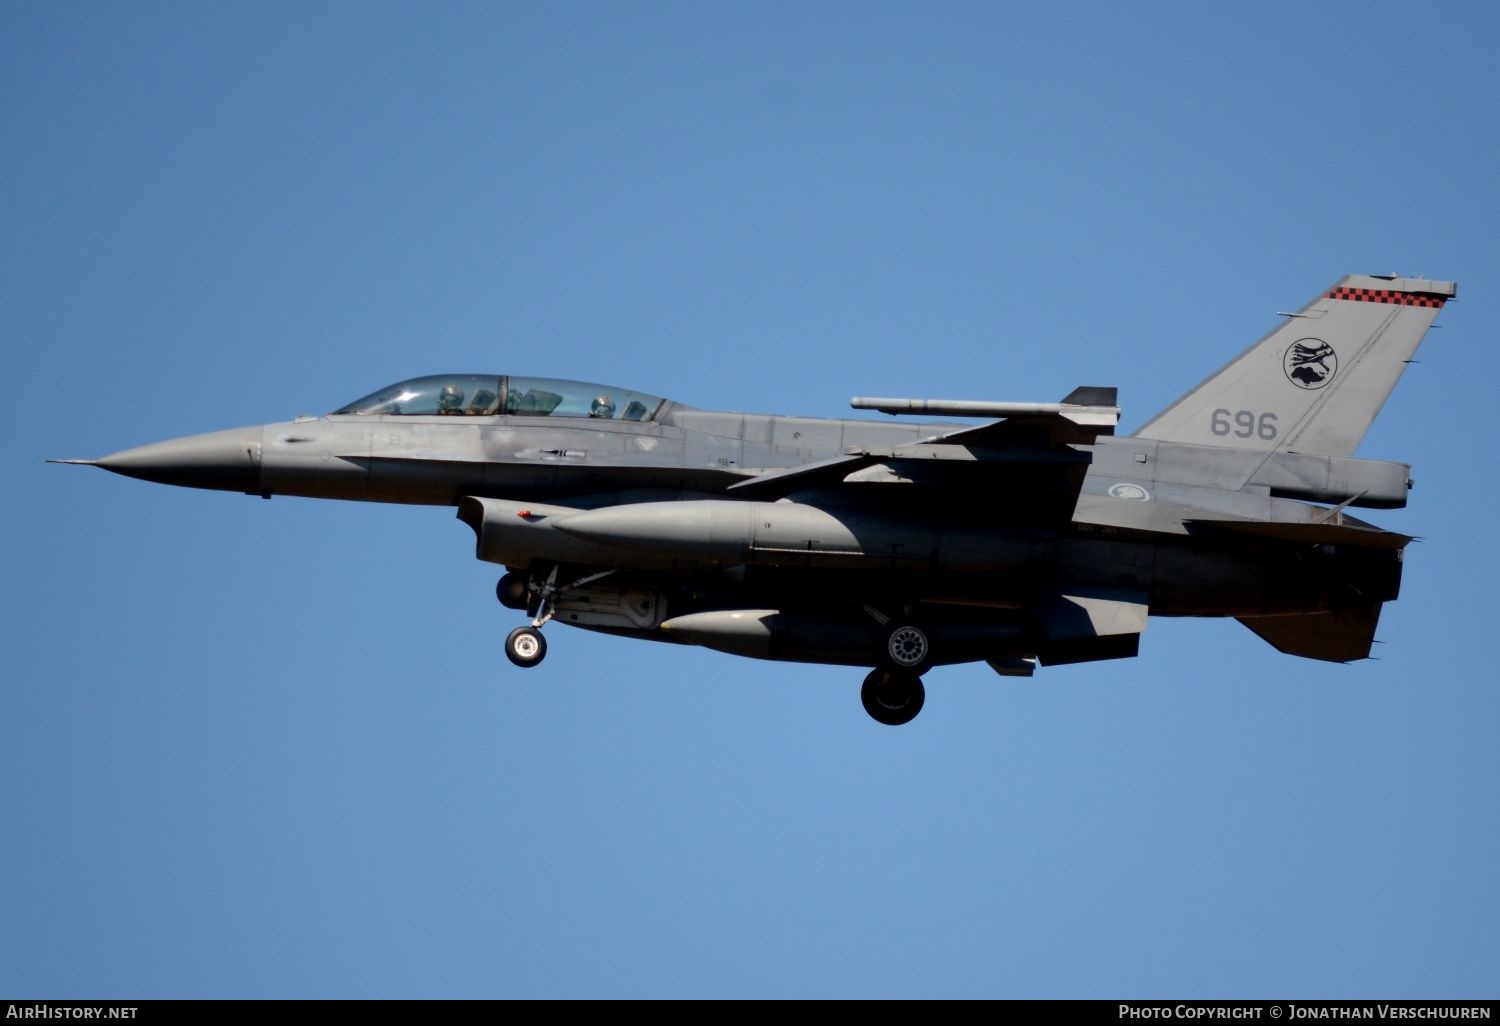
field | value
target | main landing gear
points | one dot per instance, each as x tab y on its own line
893	692
892	697
907	648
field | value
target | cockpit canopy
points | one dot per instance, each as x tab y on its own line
480	395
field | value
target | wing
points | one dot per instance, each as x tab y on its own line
1027	467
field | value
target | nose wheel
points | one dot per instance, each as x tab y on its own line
525	646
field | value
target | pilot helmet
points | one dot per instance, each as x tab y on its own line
603	406
451	397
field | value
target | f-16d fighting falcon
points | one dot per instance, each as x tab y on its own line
1035	538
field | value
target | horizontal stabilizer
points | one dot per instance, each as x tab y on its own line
1312	534
1336	637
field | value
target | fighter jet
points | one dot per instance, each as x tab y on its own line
1035	538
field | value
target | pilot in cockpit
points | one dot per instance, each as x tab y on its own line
603	406
451	400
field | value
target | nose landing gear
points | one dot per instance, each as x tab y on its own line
525	646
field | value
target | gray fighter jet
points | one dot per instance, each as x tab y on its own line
1033	539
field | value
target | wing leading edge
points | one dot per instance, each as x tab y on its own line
1030	454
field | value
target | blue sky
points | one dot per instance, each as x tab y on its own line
273	749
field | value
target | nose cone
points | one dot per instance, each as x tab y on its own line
226	460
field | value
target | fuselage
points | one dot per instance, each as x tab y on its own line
1132	527
1035	537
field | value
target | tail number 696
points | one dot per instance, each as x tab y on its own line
1243	424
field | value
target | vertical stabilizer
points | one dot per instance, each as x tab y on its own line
1315	384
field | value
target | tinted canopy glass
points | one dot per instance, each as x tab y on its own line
480	395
